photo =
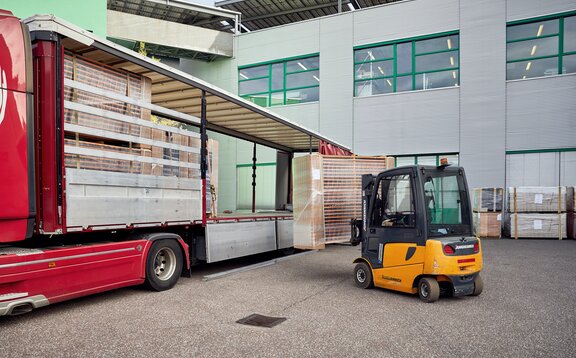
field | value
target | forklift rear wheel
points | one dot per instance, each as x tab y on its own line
163	265
428	289
478	286
363	276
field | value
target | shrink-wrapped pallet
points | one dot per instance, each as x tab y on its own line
488	224
536	225
488	199
537	199
327	195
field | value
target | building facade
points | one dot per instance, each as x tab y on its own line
490	84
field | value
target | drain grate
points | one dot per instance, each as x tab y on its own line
261	321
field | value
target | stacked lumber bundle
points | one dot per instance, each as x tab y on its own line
537	212
487	212
571	213
327	195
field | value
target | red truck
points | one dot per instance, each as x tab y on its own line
94	194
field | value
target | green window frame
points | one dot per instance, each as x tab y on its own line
407	64
287	81
539	47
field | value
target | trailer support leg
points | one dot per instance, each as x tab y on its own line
254	178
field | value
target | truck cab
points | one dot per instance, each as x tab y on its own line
416	233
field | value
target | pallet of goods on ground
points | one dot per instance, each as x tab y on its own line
535	225
487	208
571	214
327	195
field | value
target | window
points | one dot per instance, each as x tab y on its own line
283	82
408	65
396	208
426	159
541	48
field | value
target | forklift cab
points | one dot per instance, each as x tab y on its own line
409	215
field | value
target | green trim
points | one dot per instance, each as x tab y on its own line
301	71
376	60
297	88
257	164
531	151
416	38
532	38
532	58
542	18
561	46
280	60
253	79
433	52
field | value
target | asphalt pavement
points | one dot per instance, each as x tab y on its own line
528	308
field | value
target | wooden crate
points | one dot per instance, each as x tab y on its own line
327	195
488	225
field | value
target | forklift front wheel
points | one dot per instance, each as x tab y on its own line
478	286
363	276
428	289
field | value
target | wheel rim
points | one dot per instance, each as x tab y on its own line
165	263
424	290
361	275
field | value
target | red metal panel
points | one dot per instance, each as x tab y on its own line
50	211
14	208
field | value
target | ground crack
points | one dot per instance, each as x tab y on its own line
312	295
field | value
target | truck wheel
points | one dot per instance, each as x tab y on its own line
363	276
428	289
478	286
163	265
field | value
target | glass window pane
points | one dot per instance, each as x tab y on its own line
374	69
532	48
374	53
403	83
259	99
437	79
302	95
404	58
438	44
303	79
253	72
373	87
569	64
535	29
533	68
302	64
427	160
570	34
277	98
437	61
401	161
452	158
254	86
277	76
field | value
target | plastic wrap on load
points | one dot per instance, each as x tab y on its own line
488	199
488	224
327	195
537	199
533	225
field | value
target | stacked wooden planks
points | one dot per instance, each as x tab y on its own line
327	195
537	212
487	212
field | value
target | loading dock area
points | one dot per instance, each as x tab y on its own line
522	312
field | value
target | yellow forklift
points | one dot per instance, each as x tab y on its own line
416	233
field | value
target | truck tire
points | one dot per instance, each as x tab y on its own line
428	289
363	276
163	265
478	286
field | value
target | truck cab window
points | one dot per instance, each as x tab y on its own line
394	203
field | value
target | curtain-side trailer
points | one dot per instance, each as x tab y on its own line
95	194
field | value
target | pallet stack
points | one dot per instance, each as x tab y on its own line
536	212
487	212
327	195
571	213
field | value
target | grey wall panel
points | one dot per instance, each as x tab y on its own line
226	171
280	42
337	78
305	114
407	123
405	19
222	73
532	169
482	81
568	168
541	113
522	9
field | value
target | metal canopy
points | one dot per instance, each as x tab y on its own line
180	11
260	14
175	92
